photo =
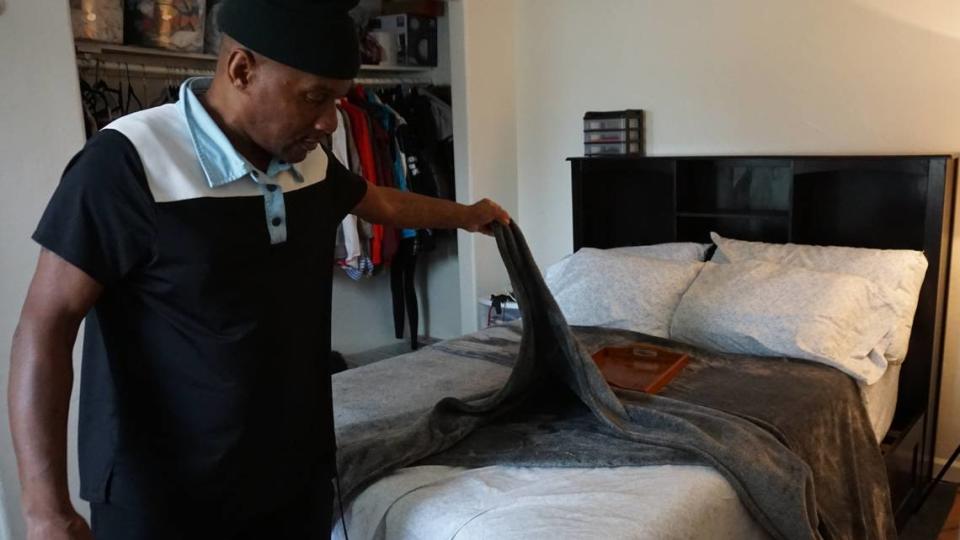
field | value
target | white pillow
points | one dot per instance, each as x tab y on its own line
901	271
760	308
596	287
670	251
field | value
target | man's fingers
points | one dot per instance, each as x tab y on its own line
500	214
490	213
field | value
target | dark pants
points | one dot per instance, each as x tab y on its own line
306	516
403	273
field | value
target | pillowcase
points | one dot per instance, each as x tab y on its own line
766	309
900	271
596	287
670	251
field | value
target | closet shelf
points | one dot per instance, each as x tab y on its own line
109	49
112	55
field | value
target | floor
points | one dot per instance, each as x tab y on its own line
939	519
951	528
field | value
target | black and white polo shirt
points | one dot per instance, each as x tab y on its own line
204	364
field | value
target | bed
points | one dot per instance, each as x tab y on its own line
433	501
899	202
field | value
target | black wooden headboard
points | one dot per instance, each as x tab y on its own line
892	202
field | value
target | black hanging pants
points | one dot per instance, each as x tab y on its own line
402	287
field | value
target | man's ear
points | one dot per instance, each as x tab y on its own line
241	66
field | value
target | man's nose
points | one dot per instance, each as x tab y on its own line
327	121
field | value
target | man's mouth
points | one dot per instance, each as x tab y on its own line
309	144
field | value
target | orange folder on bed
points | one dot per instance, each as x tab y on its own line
640	367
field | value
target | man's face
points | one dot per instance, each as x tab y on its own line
288	111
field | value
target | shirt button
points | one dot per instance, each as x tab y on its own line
276	222
271	188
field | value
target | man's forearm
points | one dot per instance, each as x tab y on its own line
413	211
407	210
41	377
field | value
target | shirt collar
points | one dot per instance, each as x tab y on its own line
220	161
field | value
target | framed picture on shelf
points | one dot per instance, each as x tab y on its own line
97	20
176	25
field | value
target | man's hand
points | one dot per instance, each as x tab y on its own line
69	526
483	214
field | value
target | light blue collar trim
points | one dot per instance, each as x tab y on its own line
220	161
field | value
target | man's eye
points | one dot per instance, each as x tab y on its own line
317	99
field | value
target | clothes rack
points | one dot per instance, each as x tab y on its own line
141	69
393	81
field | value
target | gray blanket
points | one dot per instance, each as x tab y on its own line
792	438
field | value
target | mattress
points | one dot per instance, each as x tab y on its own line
660	502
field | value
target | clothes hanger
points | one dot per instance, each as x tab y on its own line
96	96
108	92
164	97
131	94
143	82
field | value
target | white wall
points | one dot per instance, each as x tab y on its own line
736	77
948	428
40	129
484	100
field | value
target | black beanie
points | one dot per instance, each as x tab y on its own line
316	36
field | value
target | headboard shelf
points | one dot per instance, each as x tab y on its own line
885	202
741	214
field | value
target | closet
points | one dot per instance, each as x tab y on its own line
403	279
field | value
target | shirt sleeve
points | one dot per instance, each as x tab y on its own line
347	188
101	218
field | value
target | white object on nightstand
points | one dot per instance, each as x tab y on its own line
487	316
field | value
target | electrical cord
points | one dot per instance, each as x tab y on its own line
343	517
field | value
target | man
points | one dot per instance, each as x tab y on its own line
197	240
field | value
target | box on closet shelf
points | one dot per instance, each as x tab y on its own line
175	25
97	20
423	8
416	38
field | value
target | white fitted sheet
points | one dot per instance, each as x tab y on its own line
506	503
880	399
658	502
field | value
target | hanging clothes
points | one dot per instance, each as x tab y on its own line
360	132
347	234
404	262
364	266
393	138
391	121
379	140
